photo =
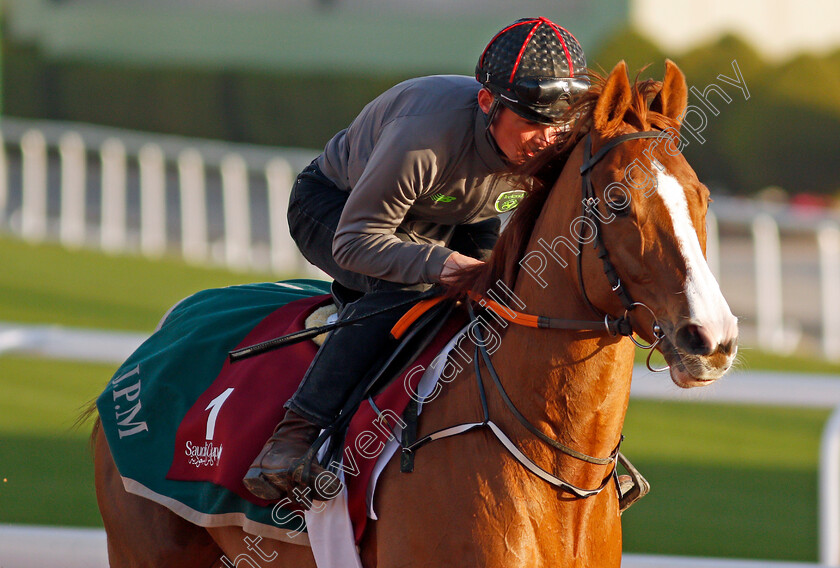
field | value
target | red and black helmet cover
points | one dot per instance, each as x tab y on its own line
535	68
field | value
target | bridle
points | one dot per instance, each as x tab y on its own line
612	325
590	202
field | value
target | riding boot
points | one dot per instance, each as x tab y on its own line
342	361
281	465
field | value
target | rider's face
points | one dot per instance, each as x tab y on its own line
519	138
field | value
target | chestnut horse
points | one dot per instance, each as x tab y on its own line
470	500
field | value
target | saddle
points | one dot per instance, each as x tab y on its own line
415	331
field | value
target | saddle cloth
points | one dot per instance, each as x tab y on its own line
183	423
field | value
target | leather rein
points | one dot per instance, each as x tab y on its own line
612	325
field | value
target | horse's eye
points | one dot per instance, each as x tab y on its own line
617	202
618	208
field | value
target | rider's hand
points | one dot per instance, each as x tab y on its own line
455	262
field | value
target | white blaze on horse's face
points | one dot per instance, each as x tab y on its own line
707	340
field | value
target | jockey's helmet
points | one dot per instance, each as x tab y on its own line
535	68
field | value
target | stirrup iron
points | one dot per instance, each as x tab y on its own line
632	490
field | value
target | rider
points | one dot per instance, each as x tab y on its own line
406	196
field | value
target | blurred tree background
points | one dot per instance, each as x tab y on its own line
785	134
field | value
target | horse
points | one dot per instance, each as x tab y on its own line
632	252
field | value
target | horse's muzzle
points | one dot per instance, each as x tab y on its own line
697	357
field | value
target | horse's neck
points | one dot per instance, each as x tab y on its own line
574	390
573	385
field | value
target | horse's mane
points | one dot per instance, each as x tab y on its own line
537	177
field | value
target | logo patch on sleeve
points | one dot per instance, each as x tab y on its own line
509	200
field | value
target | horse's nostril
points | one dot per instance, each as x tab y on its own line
694	339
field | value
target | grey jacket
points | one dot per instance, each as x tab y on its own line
418	161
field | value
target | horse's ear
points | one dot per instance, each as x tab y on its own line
614	100
672	99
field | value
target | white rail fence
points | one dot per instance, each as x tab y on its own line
793	288
213	202
829	492
210	202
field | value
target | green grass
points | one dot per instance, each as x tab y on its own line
46	469
43	397
48	480
49	284
727	480
753	359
